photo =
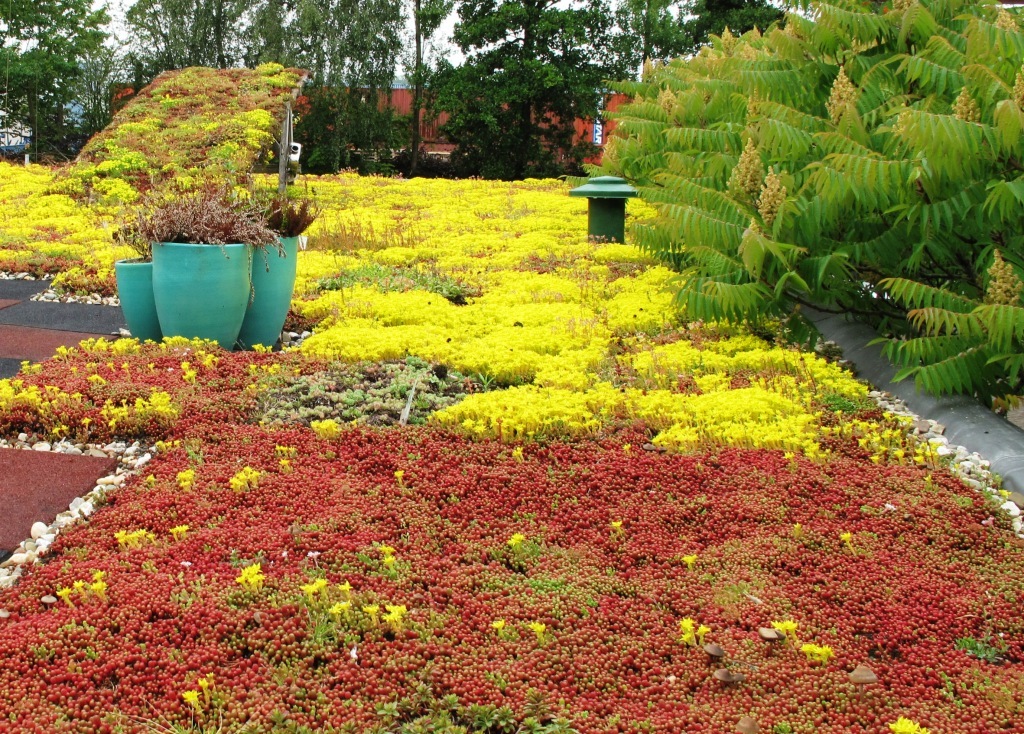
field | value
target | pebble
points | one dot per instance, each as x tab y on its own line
38	530
1011	508
76	503
41	446
73	451
96	452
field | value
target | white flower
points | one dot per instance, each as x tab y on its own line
354	653
186	564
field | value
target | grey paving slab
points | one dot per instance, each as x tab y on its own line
19	290
9	368
81	317
968	423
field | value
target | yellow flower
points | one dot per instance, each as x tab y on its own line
178	531
539	629
701	631
516	540
345	589
848	539
798	531
186	479
687	630
192	698
251	577
616	527
341	607
399	474
906	726
517	453
372	610
65	594
498	624
690	560
787	628
314	588
394	617
817	653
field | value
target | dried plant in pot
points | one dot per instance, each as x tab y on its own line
203	242
273	271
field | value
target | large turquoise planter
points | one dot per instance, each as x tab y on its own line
273	280
135	291
201	290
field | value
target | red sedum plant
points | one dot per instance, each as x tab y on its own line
378	576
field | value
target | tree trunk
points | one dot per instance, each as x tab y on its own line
417	90
218	34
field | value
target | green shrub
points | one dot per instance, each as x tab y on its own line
864	158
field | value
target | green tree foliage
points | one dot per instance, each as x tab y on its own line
42	43
649	30
427	17
173	34
351	49
865	159
532	67
712	17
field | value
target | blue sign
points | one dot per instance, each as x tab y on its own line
598	132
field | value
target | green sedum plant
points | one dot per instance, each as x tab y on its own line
862	158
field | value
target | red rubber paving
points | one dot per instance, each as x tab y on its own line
5	302
39	485
36	345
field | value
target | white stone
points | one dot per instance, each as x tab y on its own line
143	460
943	450
1017	524
38	530
41	446
19	558
76	503
1011	508
86	509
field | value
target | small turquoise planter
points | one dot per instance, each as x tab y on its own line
201	290
273	280
135	291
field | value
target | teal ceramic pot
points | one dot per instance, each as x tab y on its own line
135	290
201	291
273	280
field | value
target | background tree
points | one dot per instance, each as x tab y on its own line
102	73
649	30
173	34
712	17
351	49
43	41
427	17
532	67
857	160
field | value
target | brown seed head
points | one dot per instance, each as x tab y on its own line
745	179
1005	20
1004	286
772	197
965	108
844	95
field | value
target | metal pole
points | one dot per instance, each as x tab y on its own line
284	149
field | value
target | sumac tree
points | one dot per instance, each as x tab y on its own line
858	157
